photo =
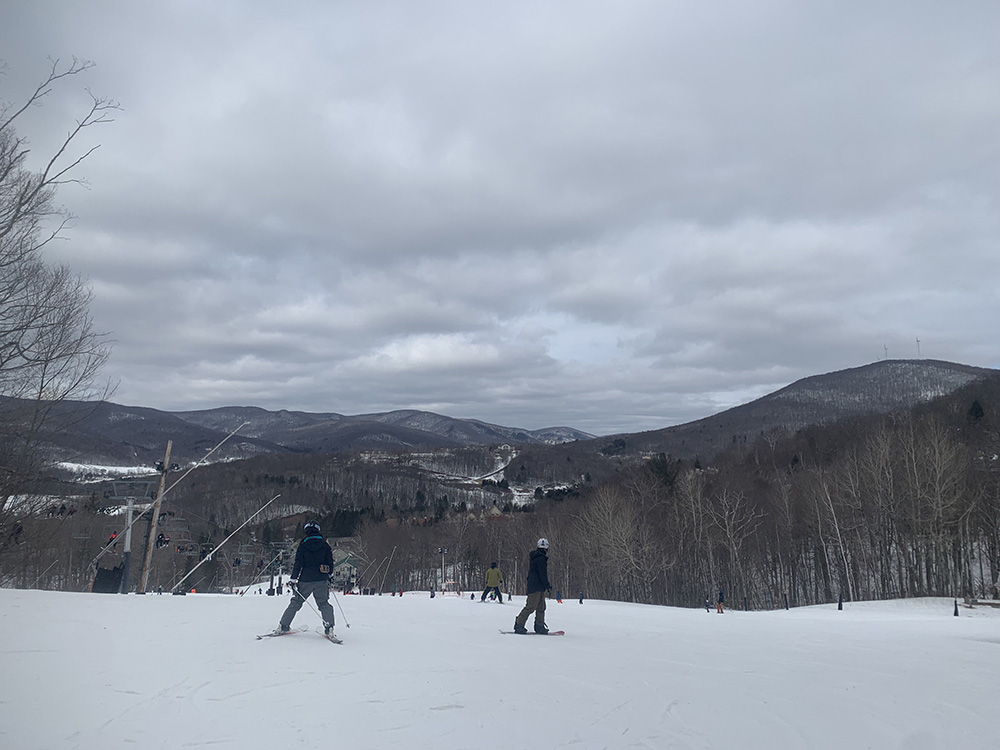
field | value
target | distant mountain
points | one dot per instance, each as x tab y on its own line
330	432
259	422
878	388
110	434
107	433
458	470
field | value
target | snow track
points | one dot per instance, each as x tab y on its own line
98	672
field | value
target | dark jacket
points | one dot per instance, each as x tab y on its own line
313	560
538	572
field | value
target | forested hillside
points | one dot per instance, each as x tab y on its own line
903	503
906	504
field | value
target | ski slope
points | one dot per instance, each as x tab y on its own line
90	671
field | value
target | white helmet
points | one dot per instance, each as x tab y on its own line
543	543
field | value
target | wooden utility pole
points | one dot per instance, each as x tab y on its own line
127	554
151	541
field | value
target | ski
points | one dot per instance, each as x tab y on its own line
277	635
532	632
331	637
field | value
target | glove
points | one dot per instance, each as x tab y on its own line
293	582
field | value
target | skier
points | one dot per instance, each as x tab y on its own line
310	577
719	602
493	580
538	585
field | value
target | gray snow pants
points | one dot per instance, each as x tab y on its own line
318	590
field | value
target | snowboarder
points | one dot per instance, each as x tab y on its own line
538	585
310	577
493	580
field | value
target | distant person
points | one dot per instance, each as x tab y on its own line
537	585
494	578
719	602
310	577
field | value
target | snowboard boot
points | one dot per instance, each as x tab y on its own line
520	629
541	629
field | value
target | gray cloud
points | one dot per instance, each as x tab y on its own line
535	214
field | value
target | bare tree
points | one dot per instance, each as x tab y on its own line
49	350
737	520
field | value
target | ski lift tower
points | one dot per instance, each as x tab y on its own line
129	491
442	551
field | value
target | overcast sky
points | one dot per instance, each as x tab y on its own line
612	216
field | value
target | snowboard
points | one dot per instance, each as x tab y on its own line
532	632
293	631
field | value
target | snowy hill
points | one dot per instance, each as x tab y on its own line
877	388
100	672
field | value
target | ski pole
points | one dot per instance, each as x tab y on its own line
306	600
337	599
298	593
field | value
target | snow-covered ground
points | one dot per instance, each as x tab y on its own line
100	473
93	671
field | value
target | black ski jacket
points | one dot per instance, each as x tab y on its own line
538	571
313	560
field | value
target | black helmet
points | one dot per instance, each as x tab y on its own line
311	527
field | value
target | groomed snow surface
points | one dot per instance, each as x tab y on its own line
110	671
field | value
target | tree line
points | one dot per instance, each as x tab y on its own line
898	506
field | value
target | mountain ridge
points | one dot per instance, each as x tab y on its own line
876	388
868	390
116	434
